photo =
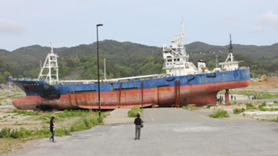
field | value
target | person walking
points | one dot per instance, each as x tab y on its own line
52	129
138	125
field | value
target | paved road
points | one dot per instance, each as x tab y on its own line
168	132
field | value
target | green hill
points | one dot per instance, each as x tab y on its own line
128	59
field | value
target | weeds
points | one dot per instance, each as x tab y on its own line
87	120
265	94
234	102
238	110
249	106
24	112
209	105
267	109
8	133
190	107
85	123
219	113
261	107
134	111
264	104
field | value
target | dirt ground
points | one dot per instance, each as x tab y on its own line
270	84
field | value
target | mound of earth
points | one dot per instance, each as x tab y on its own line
269	83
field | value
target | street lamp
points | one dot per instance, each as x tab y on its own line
99	112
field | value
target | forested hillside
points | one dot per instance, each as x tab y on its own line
128	59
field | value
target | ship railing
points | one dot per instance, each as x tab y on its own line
243	67
95	81
24	79
114	80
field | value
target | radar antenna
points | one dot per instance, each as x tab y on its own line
231	46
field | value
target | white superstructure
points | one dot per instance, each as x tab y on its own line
176	59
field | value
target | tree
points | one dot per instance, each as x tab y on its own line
6	74
2	79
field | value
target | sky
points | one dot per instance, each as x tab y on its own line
69	23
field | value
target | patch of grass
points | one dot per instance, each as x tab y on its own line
24	112
219	113
265	94
134	111
238	110
209	105
275	120
46	118
87	120
85	123
8	133
190	107
275	102
243	114
16	123
261	108
250	106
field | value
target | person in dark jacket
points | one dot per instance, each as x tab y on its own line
52	129
138	125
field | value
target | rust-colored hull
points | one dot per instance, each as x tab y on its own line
199	94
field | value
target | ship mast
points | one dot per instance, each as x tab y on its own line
50	63
231	55
230	63
231	46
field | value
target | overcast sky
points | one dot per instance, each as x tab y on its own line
70	23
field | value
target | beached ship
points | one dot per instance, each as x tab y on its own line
182	84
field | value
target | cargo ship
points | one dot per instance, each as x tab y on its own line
182	84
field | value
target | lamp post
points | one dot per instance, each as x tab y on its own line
99	112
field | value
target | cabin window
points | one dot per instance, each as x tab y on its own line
169	60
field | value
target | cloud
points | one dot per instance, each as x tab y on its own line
10	27
258	29
230	17
269	19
